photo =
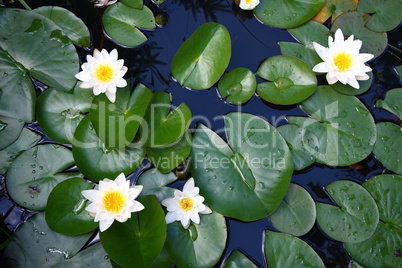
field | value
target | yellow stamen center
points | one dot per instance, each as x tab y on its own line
104	73
186	203
249	2
114	201
343	61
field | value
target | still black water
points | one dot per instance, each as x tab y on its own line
252	42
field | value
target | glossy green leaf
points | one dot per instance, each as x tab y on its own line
307	55
97	162
163	260
34	174
287	14
334	8
351	91
90	256
201	245
386	14
26	140
343	125
388	147
116	124
284	250
237	86
155	182
203	57
248	180
158	2
39	47
36	245
10	130
392	102
121	24
355	217
17	93
354	23
238	260
65	211
296	215
59	113
302	144
138	4
73	27
310	32
292	80
138	241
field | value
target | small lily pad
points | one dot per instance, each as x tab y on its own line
284	250
386	14
10	130
392	102
34	174
237	86
238	259
296	215
138	4
155	182
354	219
292	80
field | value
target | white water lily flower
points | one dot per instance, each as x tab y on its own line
248	4
342	60
103	72
186	205
113	200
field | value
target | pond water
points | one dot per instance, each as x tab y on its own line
252	42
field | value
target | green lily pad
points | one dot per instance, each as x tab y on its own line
310	32
203	57
292	80
138	241
65	211
249	180
168	157
284	250
287	14
354	23
334	8
386	14
155	182
158	2
302	144
97	162
237	86
351	91
388	147
163	260
343	125
201	245
237	260
88	257
392	102
74	28
354	219
121	24
34	174
116	124
307	55
138	4
296	215
36	245
10	130
59	113
16	90
26	140
39	47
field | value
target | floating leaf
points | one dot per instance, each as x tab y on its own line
34	174
309	56
39	47
97	162
296	215
201	245
284	250
138	4
310	32
237	86
287	14
163	260
26	140
65	211
138	241
155	182
59	113
334	8
121	24
74	28
249	180
238	259
386	14
94	254
10	130
354	219
203	57
392	102
292	80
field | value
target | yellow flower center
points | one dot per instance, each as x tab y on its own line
186	203
114	201
343	61
249	2
104	73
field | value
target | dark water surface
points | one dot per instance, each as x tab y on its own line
252	42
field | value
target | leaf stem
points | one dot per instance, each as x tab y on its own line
22	2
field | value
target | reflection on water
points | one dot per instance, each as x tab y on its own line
207	7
